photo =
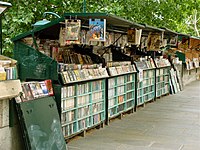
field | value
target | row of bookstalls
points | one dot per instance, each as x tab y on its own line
95	67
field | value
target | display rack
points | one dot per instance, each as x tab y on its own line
162	77
82	105
146	81
121	88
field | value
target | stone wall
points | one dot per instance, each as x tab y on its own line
190	75
10	137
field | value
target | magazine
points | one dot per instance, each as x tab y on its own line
97	29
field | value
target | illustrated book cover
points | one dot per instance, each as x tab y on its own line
72	30
97	29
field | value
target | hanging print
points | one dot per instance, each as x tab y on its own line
97	29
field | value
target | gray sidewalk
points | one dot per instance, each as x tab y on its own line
170	123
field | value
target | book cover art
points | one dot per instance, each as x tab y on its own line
66	76
154	42
119	70
68	73
39	89
48	84
27	91
86	74
23	95
82	75
97	29
76	72
131	36
43	87
63	78
72	30
34	90
141	65
73	75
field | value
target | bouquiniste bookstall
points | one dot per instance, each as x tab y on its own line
189	46
185	58
91	84
100	66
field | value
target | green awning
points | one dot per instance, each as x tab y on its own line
149	28
52	29
112	21
169	31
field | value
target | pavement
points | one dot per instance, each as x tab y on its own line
170	123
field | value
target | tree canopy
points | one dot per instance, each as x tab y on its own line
178	15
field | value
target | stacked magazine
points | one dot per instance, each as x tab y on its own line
35	89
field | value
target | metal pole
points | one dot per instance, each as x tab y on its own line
84	6
1	35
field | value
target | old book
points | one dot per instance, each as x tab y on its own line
73	75
131	36
39	89
78	77
44	88
48	84
72	30
80	59
23	95
63	78
33	89
27	91
67	77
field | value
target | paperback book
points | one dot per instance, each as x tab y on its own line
33	90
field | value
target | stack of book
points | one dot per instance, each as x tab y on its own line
144	63
67	55
33	90
117	68
162	62
70	57
174	85
64	67
74	75
8	69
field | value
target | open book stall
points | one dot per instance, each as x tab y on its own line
68	51
144	59
122	81
163	64
121	88
100	66
192	59
185	58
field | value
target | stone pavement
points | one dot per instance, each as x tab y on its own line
170	123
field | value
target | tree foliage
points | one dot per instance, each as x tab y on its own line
173	14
